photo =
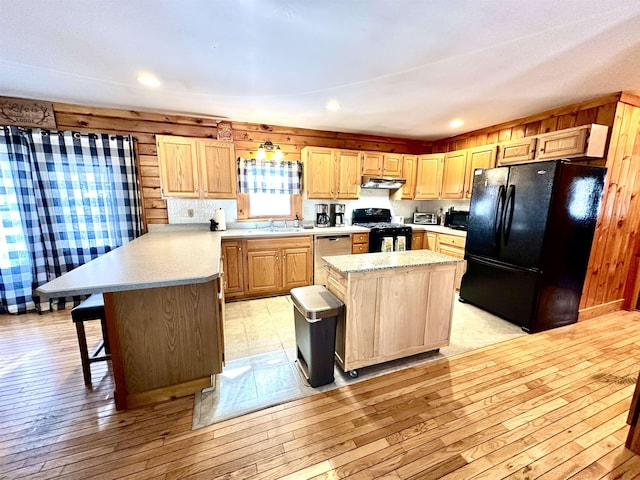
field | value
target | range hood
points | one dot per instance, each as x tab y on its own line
387	183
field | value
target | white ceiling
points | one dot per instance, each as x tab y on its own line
399	67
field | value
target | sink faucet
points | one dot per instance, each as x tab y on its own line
271	223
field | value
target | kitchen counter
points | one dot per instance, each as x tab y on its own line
290	231
150	261
389	260
163	304
397	304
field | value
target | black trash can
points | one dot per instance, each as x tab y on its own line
316	312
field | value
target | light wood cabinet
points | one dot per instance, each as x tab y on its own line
233	267
331	173
384	164
417	240
431	241
412	316
360	243
453	174
478	157
583	141
409	167
517	151
196	168
452	245
275	265
429	176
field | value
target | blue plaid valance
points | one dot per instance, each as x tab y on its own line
263	176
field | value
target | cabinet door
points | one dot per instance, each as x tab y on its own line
516	151
178	162
429	176
431	241
263	271
562	144
218	169
417	240
320	172
391	165
453	171
232	261
372	163
296	268
478	157
349	178
409	165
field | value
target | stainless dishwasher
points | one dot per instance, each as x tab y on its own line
324	246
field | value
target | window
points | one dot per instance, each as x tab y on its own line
269	205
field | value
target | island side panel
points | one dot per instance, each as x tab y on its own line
444	280
168	335
120	392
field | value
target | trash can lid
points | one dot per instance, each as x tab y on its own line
316	302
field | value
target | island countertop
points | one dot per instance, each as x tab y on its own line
150	261
387	260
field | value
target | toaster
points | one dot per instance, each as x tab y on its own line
425	218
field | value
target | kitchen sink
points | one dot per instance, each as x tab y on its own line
263	231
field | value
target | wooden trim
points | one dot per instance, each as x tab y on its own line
171	392
630	98
243	213
140	189
603	309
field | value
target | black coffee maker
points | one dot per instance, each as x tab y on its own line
322	215
337	214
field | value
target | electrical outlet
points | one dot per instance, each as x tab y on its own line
190	212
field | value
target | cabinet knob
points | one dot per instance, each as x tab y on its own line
239	249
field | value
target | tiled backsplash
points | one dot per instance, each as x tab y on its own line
181	210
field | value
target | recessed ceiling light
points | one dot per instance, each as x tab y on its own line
148	80
333	105
456	123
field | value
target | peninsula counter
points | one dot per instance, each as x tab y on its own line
163	303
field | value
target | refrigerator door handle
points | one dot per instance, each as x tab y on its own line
508	212
502	265
497	217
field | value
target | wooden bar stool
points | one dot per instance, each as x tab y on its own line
91	309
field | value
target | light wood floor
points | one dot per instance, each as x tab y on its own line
551	405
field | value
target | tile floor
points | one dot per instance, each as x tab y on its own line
253	327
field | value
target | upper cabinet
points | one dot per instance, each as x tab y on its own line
196	168
517	151
453	170
429	176
384	164
584	141
409	167
478	157
331	173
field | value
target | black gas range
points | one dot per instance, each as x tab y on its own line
382	232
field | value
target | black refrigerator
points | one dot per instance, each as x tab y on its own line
528	241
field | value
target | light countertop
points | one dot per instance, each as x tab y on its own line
290	231
381	261
150	261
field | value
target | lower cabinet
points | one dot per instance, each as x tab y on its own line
417	240
266	266
360	243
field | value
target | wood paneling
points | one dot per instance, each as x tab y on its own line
247	137
517	409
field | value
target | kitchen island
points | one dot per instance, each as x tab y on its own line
163	303
397	304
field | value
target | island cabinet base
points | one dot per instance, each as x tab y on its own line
166	342
392	313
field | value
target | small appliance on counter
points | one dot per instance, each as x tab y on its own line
322	215
457	219
337	214
425	218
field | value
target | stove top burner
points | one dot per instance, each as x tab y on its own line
380	225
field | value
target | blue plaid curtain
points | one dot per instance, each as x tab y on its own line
263	176
85	191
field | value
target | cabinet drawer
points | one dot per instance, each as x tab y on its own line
337	285
360	238
451	250
452	240
360	248
279	242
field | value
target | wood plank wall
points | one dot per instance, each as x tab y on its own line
612	276
247	136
